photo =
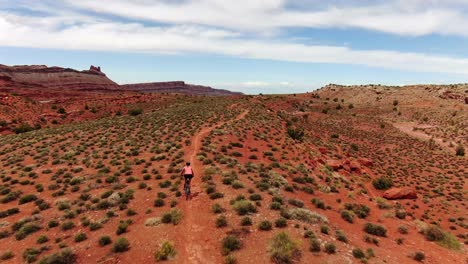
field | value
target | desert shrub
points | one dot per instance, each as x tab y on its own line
296	133
121	228
382	183
255	197
26	230
230	243
246	221
376	230
419	256
230	259
104	240
66	256
330	248
284	250
306	215
281	222
314	245
27	198
217	209
433	233
42	239
324	229
221	221
296	203
53	223
460	151
30	255
165	252
340	236
358	253
244	207
6	255
135	111
348	216
9	212
361	210
23	128
80	237
265	225
173	216
67	225
403	229
121	245
318	203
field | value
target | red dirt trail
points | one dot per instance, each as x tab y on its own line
199	249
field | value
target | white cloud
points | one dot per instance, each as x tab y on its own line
88	34
411	17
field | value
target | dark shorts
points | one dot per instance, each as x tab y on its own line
188	177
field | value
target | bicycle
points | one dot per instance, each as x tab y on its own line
187	189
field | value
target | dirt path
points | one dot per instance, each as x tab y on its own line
199	248
408	128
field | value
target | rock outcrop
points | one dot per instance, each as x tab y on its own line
176	87
43	78
400	193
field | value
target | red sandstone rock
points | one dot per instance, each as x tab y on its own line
365	162
45	79
400	193
335	164
323	150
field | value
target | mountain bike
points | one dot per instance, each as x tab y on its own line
187	189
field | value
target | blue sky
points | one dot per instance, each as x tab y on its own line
252	46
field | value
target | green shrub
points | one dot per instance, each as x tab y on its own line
330	248
217	209
265	225
419	256
296	133
382	183
80	237
361	210
173	216
121	228
358	253
121	245
230	243
7	255
284	250
42	239
246	221
281	222
244	207
26	230
23	128
340	236
434	233
65	256
221	221
67	225
230	259
104	240
348	216
165	252
314	245
376	230
460	151
135	111
27	198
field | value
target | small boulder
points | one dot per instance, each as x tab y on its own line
335	164
365	162
400	193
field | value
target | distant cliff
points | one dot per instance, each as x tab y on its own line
176	87
43	78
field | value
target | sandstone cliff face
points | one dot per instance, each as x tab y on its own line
53	78
176	87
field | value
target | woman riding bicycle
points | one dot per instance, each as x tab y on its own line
188	174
